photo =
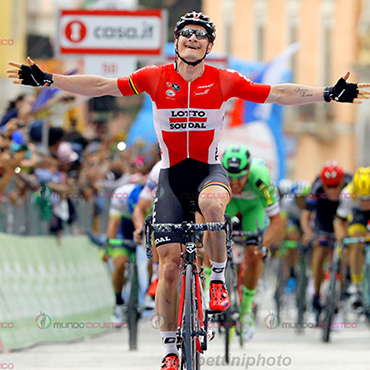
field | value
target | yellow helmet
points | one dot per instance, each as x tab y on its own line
361	182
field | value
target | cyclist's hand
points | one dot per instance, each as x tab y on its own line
345	92
265	251
30	75
137	235
307	237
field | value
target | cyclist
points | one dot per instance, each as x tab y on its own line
138	217
189	106
323	200
353	218
292	205
253	199
120	226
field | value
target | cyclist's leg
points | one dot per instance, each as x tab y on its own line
254	267
168	209
320	253
357	228
214	195
293	235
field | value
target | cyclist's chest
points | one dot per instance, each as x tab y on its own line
174	92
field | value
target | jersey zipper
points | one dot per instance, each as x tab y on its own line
187	128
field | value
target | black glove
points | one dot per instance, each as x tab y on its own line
341	92
33	76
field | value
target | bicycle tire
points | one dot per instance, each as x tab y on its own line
227	315
366	291
191	357
279	290
301	296
132	307
330	302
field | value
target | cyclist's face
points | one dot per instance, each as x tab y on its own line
237	184
365	204
333	192
301	202
191	48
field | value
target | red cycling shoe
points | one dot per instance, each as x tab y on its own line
152	288
170	362
219	297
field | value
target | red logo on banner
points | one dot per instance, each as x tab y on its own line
75	31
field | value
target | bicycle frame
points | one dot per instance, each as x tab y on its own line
191	324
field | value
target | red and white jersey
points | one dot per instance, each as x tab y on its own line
188	116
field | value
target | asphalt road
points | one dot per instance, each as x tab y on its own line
278	348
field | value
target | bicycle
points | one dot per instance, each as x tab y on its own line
191	328
131	308
302	282
281	278
334	288
231	317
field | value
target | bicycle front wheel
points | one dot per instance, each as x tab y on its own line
332	299
190	321
132	307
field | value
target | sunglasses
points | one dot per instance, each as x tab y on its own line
332	186
237	176
199	34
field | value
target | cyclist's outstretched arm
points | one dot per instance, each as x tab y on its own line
295	94
86	85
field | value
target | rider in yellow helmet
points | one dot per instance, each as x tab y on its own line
353	218
361	183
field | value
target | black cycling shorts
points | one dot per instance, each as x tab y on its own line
179	186
358	221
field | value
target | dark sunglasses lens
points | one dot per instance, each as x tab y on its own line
187	33
201	35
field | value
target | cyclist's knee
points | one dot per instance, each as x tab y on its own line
169	271
119	263
212	210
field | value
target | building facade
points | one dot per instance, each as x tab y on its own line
333	34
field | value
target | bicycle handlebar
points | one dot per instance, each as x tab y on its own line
186	226
352	240
122	242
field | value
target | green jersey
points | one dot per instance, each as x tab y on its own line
257	200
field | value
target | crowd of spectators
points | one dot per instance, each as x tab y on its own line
60	169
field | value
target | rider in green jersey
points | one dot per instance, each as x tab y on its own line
255	201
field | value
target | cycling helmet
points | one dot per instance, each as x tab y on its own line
133	198
361	182
237	160
196	18
331	174
300	189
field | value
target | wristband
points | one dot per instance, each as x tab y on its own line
327	92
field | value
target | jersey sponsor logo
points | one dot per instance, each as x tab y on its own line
242	76
176	87
179	126
202	93
188	113
162	239
205	86
170	93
